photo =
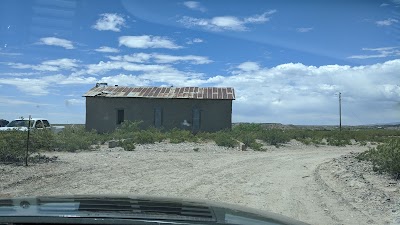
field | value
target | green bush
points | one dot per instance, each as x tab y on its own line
178	136
144	137
42	140
12	146
385	157
128	145
75	138
223	138
126	129
275	137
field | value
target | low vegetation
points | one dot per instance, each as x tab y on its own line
130	133
385	157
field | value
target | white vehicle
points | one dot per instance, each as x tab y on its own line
35	123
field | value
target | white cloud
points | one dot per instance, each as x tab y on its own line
49	65
301	94
382	52
107	49
102	67
304	29
194	59
53	41
259	18
195	40
194	6
110	21
221	23
249	66
161	58
136	57
147	41
386	22
383	4
43	85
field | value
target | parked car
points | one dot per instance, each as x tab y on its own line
3	123
35	123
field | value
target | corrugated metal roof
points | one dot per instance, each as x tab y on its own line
162	92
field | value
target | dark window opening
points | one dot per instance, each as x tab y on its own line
157	117
120	116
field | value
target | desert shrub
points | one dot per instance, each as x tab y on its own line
127	129
337	138
223	138
42	140
12	146
275	137
157	134
143	137
75	138
385	157
205	136
128	145
256	146
178	136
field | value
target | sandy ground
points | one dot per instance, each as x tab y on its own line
318	185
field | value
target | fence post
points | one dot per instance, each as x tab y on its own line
27	141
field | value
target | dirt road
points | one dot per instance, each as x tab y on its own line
288	180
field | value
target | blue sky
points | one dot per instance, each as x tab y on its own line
287	60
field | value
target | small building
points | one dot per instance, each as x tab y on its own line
192	108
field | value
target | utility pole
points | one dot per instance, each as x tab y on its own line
340	111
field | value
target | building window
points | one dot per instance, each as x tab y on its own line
157	117
120	116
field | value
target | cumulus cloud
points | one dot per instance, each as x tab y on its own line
386	22
249	66
382	52
109	21
194	6
107	49
53	41
304	29
147	41
301	94
221	23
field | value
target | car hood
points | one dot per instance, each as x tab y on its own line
146	209
13	128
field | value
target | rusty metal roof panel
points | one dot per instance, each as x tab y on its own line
226	93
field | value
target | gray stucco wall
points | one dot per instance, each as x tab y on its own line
101	112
